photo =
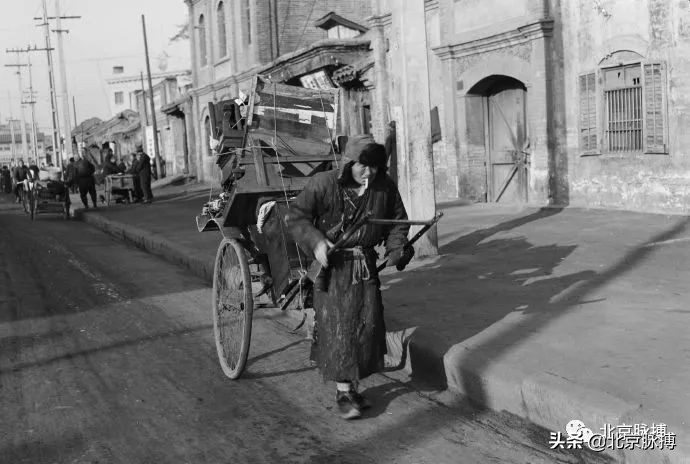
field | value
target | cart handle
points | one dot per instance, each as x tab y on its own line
418	235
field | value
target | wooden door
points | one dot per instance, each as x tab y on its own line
508	162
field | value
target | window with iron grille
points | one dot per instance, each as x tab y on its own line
622	109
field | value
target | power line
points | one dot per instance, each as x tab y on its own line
63	78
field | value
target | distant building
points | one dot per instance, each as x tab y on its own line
122	88
171	134
10	150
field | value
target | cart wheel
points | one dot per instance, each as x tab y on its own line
233	307
33	204
25	201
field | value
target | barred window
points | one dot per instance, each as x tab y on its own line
622	109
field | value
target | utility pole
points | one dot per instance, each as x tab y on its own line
63	76
32	102
143	97
153	107
57	152
13	148
25	148
146	111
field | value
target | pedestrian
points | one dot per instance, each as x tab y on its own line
71	175
144	172
21	173
134	170
6	180
84	171
349	339
110	167
122	166
33	170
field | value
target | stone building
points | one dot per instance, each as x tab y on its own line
122	88
171	133
538	101
232	41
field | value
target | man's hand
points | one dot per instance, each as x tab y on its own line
321	252
401	257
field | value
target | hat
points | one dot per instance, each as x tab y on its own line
364	149
139	146
355	144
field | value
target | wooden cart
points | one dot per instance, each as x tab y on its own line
119	188
268	155
46	197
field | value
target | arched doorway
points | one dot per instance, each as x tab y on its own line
506	140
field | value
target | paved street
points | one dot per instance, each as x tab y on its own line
107	356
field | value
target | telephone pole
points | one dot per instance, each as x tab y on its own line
25	148
66	122
153	106
57	152
32	102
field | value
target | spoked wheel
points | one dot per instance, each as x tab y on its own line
33	203
25	201
233	307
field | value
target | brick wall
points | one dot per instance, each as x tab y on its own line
291	23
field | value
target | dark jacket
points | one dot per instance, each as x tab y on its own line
20	173
70	172
84	168
320	208
111	168
32	172
143	163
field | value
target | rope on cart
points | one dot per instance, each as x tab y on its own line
330	136
287	200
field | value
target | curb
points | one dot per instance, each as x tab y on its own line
552	401
156	245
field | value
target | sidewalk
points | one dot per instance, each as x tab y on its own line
550	314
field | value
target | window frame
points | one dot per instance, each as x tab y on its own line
246	13
602	121
221	24
119	95
203	46
602	148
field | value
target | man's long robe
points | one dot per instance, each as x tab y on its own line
350	333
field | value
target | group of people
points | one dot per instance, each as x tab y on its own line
140	169
12	177
80	173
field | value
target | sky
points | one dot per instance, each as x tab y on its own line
108	34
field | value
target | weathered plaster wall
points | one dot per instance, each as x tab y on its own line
516	46
657	30
445	164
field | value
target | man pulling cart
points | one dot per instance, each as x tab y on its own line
299	222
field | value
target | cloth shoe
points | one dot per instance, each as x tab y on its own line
348	406
361	400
